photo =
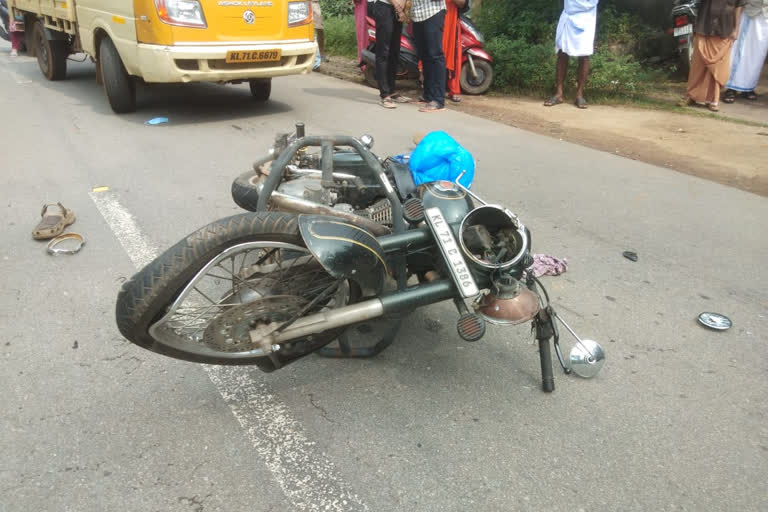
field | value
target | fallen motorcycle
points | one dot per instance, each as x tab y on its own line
339	247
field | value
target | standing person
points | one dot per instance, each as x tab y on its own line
361	28
749	51
452	46
428	21
716	28
389	16
16	34
575	38
317	18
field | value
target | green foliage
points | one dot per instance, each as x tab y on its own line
340	38
336	8
520	35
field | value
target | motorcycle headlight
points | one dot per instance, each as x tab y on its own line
182	13
492	238
299	13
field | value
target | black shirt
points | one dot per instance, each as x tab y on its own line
717	17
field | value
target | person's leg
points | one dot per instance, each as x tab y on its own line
583	73
321	41
561	72
384	27
421	47
434	61
394	52
16	39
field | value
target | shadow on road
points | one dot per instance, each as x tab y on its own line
192	103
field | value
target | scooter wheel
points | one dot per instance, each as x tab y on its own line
479	84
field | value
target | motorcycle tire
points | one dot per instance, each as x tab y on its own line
4	33
145	298
244	191
479	85
684	60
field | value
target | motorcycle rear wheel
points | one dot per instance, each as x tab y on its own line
200	299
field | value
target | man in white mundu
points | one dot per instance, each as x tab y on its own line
749	51
575	38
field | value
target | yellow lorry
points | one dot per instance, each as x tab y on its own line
162	41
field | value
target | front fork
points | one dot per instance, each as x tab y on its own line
545	329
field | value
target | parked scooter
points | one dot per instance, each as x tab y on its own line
333	249
476	64
684	14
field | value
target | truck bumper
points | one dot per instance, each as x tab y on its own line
202	63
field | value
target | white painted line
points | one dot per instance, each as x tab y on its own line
308	478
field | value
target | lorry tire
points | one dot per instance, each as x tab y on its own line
261	88
119	86
370	76
51	54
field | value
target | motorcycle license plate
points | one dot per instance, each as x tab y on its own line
254	56
684	30
451	252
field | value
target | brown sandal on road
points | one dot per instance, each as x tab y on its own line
53	224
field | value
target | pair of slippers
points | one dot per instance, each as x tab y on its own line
54	218
554	100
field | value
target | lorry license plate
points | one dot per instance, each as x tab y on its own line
452	253
234	57
684	30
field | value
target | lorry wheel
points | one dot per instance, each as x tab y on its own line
119	86
261	88
482	83
51	55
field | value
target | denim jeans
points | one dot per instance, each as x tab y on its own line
388	31
428	35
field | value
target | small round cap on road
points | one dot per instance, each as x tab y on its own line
715	321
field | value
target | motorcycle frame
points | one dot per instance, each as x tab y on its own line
391	248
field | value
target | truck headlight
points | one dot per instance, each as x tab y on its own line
299	13
183	13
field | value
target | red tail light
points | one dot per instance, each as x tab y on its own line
681	20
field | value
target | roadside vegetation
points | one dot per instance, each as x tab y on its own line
520	35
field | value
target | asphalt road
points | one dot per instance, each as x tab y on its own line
676	421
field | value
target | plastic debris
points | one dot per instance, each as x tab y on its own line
157	120
439	157
102	188
630	255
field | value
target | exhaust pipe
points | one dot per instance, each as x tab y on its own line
286	203
396	302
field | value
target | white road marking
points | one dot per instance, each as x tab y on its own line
308	478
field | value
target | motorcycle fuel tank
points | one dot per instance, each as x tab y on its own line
453	202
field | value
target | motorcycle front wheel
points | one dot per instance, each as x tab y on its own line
200	300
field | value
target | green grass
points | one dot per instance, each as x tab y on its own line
340	36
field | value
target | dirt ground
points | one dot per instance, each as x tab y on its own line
730	148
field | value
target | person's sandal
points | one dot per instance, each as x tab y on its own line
581	103
751	95
713	107
388	102
554	100
432	106
454	98
52	224
401	98
729	96
686	101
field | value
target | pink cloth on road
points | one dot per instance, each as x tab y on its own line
545	265
361	27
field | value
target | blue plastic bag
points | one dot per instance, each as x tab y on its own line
439	157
